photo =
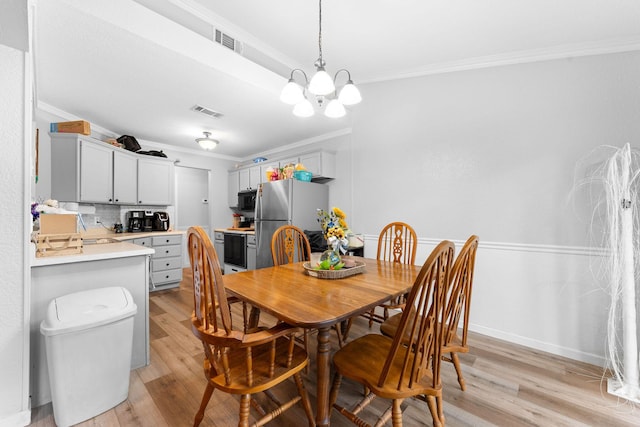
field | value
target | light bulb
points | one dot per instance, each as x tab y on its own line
321	83
335	109
303	109
292	93
349	94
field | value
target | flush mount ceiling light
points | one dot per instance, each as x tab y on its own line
321	89
207	143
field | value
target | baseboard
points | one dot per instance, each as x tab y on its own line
19	419
557	350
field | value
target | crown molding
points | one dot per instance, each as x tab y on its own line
521	57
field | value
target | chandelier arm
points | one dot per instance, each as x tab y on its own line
306	79
335	77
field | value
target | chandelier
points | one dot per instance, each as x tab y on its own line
321	90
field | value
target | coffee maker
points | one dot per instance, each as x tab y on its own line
135	223
147	223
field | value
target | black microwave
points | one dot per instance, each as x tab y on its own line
247	200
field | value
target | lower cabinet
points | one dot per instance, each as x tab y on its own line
166	262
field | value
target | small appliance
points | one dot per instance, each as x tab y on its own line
247	200
135	223
160	221
147	221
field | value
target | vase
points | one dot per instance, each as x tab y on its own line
332	256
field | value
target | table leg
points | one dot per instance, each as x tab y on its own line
323	366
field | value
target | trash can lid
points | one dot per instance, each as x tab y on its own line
87	309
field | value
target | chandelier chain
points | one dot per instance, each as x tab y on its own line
320	31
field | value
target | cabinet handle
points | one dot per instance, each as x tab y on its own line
117	200
167	264
166	252
139	201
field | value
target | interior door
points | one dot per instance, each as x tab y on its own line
192	202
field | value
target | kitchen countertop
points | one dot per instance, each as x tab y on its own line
236	230
97	251
92	253
99	234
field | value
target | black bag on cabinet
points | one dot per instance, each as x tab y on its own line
129	142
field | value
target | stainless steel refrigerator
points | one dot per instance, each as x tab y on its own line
285	202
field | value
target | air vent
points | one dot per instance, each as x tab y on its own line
228	41
207	111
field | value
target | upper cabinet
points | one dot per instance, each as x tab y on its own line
321	164
125	174
155	181
84	169
233	188
249	178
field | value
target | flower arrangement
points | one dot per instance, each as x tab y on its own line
335	229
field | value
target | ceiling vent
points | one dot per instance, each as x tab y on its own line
228	41
207	111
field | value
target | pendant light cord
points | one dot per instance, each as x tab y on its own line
320	31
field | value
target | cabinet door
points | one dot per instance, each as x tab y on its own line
96	173
155	182
320	164
233	187
254	177
291	160
244	179
125	178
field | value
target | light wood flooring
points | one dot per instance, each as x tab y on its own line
507	384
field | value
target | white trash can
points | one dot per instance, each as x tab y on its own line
88	340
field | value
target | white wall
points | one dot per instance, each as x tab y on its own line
15	119
492	152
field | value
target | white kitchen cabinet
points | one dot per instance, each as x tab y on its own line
96	172
233	188
155	181
320	163
166	262
81	169
84	169
244	179
254	177
289	160
248	179
125	178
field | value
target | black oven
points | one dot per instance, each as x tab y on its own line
247	200
235	249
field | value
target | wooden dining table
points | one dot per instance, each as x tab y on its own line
288	293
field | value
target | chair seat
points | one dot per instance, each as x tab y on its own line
363	359
260	360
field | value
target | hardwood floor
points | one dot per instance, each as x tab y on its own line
507	385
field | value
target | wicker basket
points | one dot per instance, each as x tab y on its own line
334	274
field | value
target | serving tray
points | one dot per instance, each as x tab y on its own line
334	274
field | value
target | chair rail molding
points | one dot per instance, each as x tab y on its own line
546	297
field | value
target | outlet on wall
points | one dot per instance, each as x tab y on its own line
96	220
